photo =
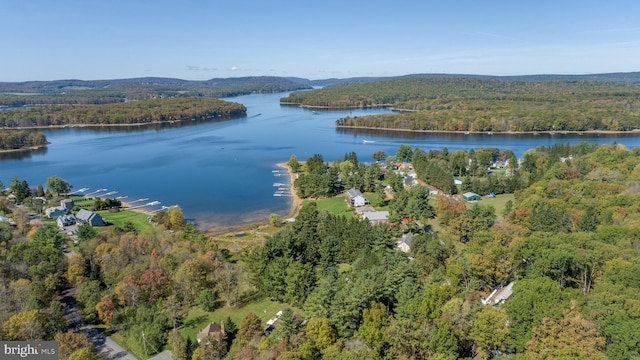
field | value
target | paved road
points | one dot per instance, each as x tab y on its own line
165	355
104	345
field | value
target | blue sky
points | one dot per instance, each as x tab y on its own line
198	40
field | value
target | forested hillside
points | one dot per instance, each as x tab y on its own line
484	105
113	91
134	112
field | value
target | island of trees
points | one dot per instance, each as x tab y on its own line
561	235
474	105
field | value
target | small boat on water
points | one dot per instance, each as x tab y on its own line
367	141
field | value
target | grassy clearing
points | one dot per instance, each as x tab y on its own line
197	318
335	205
248	239
377	201
119	218
497	202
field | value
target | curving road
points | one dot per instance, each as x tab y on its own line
104	345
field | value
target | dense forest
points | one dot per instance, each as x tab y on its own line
14	140
473	105
567	245
73	92
134	112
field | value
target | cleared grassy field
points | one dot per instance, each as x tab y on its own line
497	202
335	205
198	318
119	218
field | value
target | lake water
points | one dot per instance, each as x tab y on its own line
222	173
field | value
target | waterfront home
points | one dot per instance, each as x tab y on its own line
66	220
65	207
89	217
67	204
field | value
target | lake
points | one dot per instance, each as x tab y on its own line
222	173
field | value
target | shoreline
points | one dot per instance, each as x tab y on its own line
294	208
296	201
29	148
549	132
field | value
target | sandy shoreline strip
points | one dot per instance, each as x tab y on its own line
296	201
550	132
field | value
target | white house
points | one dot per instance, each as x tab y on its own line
404	243
355	198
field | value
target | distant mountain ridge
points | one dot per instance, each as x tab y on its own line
58	85
54	86
618	77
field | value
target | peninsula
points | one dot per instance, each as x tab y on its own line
481	106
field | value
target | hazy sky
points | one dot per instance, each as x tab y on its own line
197	40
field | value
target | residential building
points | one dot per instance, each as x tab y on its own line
376	217
355	198
88	217
404	243
470	196
212	329
65	208
66	220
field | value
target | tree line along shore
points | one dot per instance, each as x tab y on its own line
473	105
17	126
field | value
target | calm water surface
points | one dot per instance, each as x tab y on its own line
222	173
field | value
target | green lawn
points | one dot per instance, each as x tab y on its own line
335	205
119	218
497	202
198	318
338	206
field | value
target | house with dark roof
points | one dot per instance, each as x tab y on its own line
355	198
410	181
66	220
89	217
404	243
212	329
65	207
67	204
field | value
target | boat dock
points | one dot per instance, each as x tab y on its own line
142	204
281	188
